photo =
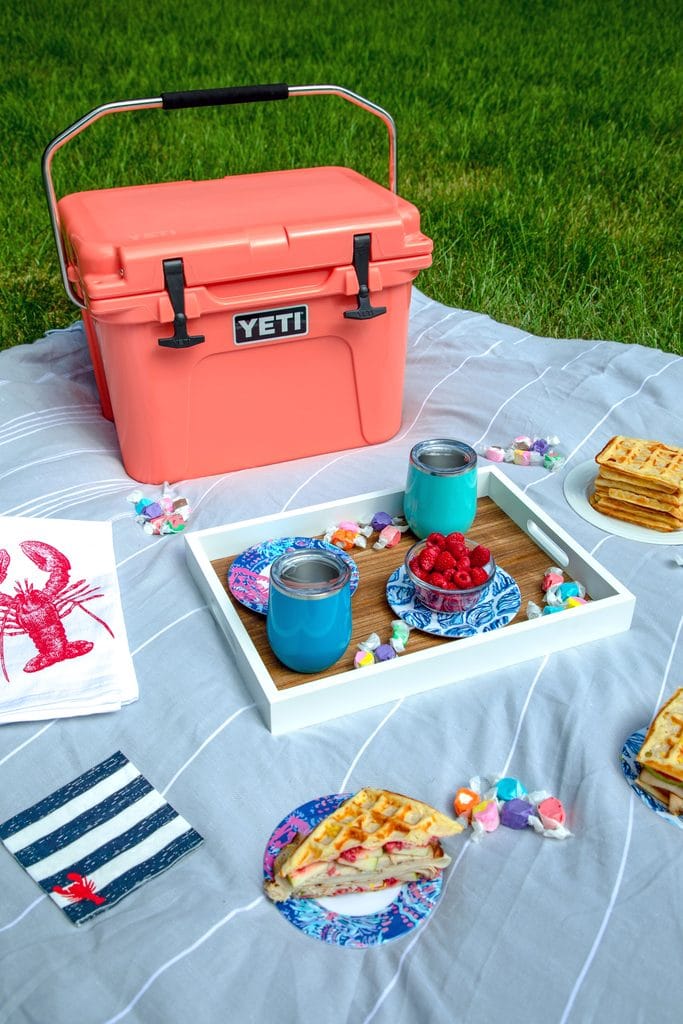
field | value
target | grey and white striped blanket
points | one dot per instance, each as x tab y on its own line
525	929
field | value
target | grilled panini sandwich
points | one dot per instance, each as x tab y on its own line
661	756
640	482
373	840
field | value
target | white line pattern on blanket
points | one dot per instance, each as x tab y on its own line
624	856
181	955
453	867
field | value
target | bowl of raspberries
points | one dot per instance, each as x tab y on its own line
450	573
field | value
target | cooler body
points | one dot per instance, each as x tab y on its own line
247	320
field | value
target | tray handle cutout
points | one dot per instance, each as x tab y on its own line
548	544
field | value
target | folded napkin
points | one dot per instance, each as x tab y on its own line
63	644
98	838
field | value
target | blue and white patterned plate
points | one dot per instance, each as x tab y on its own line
631	770
498	605
413	903
249	574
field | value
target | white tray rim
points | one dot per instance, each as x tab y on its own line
351	690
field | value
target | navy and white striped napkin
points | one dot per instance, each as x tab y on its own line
95	840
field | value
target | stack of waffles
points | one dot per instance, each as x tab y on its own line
640	482
373	840
661	756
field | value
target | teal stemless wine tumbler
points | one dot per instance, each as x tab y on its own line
309	608
441	489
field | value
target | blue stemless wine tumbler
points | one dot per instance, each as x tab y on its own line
441	489
309	608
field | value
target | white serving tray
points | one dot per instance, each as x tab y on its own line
609	612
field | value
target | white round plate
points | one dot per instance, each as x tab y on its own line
578	484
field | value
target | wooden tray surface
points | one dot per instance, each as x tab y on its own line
513	550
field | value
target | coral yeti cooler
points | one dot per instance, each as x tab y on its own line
244	320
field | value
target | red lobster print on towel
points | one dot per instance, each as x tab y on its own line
39	613
81	888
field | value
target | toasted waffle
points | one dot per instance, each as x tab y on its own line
372	818
616	479
650	462
650	518
656	501
662	749
374	839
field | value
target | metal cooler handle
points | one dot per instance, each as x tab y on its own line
197	98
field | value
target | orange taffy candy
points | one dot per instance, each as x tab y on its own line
343	539
465	799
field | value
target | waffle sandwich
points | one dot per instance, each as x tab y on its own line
661	756
373	840
640	482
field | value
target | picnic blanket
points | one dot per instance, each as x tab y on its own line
523	928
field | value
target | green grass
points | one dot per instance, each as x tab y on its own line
537	137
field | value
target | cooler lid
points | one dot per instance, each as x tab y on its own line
226	229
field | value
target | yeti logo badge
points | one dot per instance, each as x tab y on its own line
268	324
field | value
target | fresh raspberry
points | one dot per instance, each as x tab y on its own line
428	557
463	563
448	574
457	548
462	579
454	538
480	555
414	563
444	561
438	539
479	576
450	585
437	579
421	573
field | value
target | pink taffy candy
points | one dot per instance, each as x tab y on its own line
551	579
487	814
494	454
388	538
551	812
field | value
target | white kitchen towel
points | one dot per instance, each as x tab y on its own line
63	644
96	839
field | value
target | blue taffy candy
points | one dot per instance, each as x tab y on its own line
509	788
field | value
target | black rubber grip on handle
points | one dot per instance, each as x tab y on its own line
222	97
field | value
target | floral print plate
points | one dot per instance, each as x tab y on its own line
249	574
414	902
631	770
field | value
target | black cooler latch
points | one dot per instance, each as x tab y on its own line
174	283
361	264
